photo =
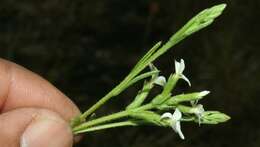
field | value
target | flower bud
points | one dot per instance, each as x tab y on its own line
214	117
187	97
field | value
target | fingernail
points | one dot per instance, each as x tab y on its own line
23	142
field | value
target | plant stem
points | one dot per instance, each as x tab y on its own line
114	92
137	69
108	118
107	126
101	120
144	107
96	105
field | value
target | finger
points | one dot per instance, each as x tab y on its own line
21	88
31	127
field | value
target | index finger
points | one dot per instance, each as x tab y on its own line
20	88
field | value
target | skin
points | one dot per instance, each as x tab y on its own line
32	111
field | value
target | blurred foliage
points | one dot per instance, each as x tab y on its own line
85	47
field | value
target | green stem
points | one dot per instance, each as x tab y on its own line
101	120
108	118
96	105
103	100
145	61
107	126
132	74
144	107
116	91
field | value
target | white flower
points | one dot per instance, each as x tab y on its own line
179	68
161	80
175	120
198	110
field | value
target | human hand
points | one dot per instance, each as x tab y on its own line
33	113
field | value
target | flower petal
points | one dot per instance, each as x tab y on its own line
182	66
177	67
199	119
166	115
177	128
200	108
161	80
177	115
186	79
204	93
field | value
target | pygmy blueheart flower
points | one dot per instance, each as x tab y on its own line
175	121
179	68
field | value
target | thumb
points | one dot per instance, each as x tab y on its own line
47	129
31	127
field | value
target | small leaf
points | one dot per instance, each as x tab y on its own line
147	55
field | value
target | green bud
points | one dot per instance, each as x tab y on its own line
214	117
205	18
186	97
201	20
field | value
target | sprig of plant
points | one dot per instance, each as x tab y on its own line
157	111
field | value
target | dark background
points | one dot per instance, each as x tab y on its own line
86	47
